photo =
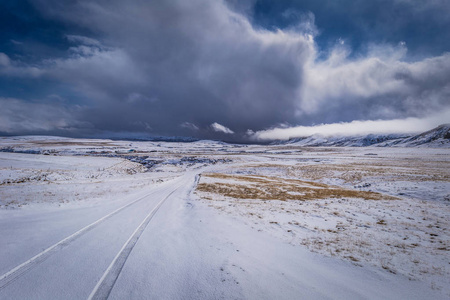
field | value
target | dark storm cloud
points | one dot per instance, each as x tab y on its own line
176	67
166	63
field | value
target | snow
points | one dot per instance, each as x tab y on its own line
66	215
438	137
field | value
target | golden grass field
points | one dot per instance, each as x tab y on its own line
275	188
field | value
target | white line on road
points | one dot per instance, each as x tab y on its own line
109	278
21	269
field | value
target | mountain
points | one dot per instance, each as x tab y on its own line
344	141
438	137
172	139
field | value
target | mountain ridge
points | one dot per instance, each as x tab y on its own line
438	137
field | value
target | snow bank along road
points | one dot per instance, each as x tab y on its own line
159	242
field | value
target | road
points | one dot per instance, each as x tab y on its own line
93	255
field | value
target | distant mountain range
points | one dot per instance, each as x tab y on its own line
438	137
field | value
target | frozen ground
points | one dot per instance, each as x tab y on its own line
208	220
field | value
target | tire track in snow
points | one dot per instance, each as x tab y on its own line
23	268
106	283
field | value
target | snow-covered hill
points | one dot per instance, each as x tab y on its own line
438	137
345	141
435	138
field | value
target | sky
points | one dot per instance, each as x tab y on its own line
234	70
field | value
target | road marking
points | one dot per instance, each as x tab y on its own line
21	269
109	278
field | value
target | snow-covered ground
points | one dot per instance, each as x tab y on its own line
208	220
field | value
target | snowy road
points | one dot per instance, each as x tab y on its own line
67	268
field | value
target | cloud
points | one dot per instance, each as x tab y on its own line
24	117
354	128
82	40
172	52
379	85
12	68
152	65
421	24
189	126
4	60
220	128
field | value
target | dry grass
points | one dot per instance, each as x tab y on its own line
273	188
356	172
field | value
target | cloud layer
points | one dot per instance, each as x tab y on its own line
175	68
354	128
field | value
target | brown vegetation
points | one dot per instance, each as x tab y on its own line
273	188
